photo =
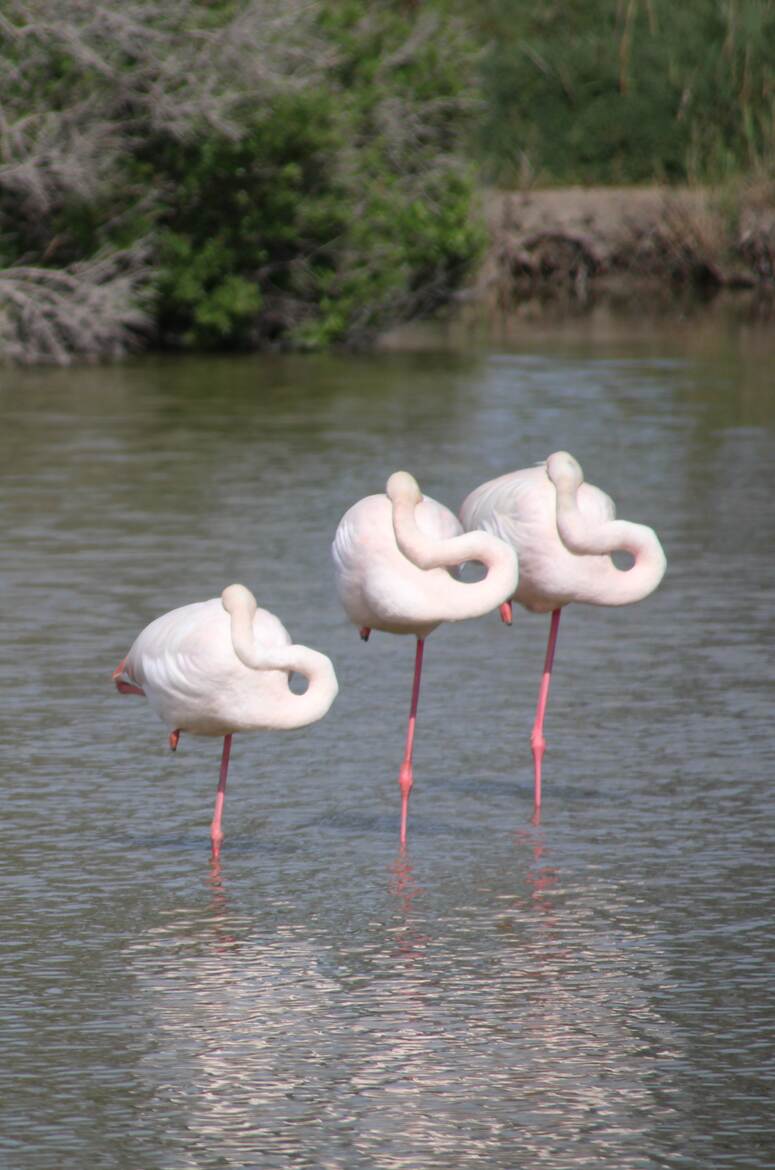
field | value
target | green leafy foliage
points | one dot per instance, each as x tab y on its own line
238	220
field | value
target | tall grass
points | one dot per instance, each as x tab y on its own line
626	91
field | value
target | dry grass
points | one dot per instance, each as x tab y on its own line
570	241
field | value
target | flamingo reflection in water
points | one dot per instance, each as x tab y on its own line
410	940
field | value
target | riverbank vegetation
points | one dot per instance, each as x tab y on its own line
228	174
200	174
638	140
626	91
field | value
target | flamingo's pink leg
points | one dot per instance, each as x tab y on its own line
174	740
506	612
537	741
405	776
364	632
125	688
216	833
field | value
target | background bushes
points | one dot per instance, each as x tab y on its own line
237	174
207	174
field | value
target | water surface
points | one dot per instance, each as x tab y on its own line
590	991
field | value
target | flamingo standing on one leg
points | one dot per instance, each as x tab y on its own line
563	531
222	666
394	555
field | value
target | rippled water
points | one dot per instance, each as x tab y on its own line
591	991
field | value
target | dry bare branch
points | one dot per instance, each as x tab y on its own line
91	310
147	60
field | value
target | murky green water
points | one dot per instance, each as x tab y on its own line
588	992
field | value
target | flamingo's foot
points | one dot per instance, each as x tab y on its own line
364	632
125	688
216	840
538	744
174	740
506	612
405	781
404	818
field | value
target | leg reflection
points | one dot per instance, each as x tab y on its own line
410	942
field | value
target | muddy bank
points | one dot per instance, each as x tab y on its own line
578	243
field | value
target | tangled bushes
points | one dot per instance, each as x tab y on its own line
229	174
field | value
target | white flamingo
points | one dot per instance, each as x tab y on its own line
222	666
394	555
563	531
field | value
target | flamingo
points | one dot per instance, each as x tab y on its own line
394	556
222	666
563	531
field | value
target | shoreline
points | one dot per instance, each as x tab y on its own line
570	243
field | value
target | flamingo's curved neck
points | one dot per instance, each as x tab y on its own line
581	536
458	600
291	710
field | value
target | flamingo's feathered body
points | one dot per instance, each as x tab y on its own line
378	586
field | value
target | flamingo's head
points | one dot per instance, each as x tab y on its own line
564	471
403	487
237	597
